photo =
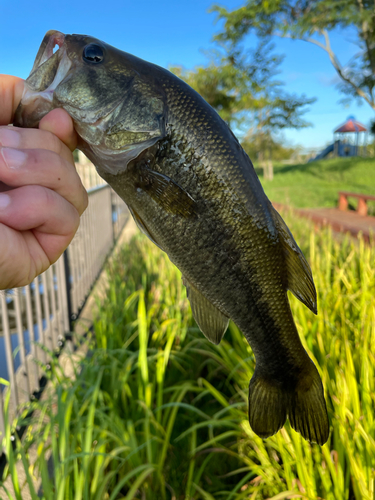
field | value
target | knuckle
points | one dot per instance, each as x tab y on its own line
60	162
54	143
78	196
57	165
85	200
74	222
58	208
47	197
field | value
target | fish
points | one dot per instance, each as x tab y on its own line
193	191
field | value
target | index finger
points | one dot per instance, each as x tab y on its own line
11	89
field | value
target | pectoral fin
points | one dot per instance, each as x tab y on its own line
142	226
167	193
299	278
211	321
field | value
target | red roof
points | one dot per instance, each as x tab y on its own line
351	125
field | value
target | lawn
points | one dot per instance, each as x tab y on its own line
158	412
317	183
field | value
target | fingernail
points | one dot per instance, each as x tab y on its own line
9	137
4	200
14	158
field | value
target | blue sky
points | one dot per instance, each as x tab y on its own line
168	32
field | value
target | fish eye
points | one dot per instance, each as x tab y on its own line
93	53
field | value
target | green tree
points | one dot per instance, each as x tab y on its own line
312	21
276	145
243	88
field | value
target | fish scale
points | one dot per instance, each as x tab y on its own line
193	190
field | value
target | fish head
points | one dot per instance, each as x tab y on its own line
115	99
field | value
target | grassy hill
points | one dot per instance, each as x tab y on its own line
316	184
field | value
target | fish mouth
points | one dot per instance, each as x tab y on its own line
49	70
50	40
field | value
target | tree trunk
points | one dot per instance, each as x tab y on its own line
268	168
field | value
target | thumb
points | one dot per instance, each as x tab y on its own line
60	124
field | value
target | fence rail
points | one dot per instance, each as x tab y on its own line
34	319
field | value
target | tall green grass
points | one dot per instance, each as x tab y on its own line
158	412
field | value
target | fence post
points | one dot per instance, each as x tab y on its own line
2	426
64	296
68	288
9	350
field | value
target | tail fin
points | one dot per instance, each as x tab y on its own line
270	403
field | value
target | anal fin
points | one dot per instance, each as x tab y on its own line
211	321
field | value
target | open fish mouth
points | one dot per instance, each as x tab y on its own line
50	40
49	70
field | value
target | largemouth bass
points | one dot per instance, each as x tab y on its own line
193	191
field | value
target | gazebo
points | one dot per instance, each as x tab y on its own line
346	144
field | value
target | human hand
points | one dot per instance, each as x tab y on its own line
41	194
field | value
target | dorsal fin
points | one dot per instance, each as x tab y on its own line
299	278
211	321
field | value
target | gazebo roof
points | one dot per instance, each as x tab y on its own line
351	125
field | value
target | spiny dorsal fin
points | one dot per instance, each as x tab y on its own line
299	281
211	321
